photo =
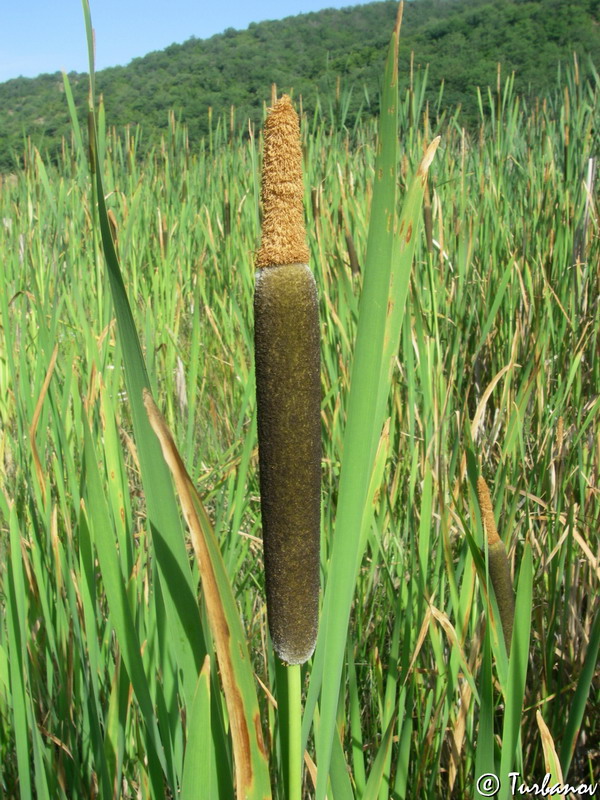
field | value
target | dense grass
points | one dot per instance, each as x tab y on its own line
498	373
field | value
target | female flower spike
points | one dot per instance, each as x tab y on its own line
499	567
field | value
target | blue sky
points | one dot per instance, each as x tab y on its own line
48	35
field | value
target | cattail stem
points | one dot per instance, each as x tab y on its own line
498	564
294	754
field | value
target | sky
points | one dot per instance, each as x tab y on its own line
48	35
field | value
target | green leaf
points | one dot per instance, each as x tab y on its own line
390	251
517	671
578	704
197	767
237	675
177	585
484	754
376	776
99	523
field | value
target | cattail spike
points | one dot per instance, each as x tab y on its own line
499	567
487	512
288	393
559	437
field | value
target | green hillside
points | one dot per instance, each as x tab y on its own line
462	41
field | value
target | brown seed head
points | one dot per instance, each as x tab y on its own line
487	512
499	566
559	437
283	232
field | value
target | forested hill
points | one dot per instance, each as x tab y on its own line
461	40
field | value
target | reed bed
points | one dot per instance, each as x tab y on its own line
497	375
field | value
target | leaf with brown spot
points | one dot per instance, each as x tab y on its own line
251	763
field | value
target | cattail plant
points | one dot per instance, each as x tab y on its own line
288	392
286	339
499	567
